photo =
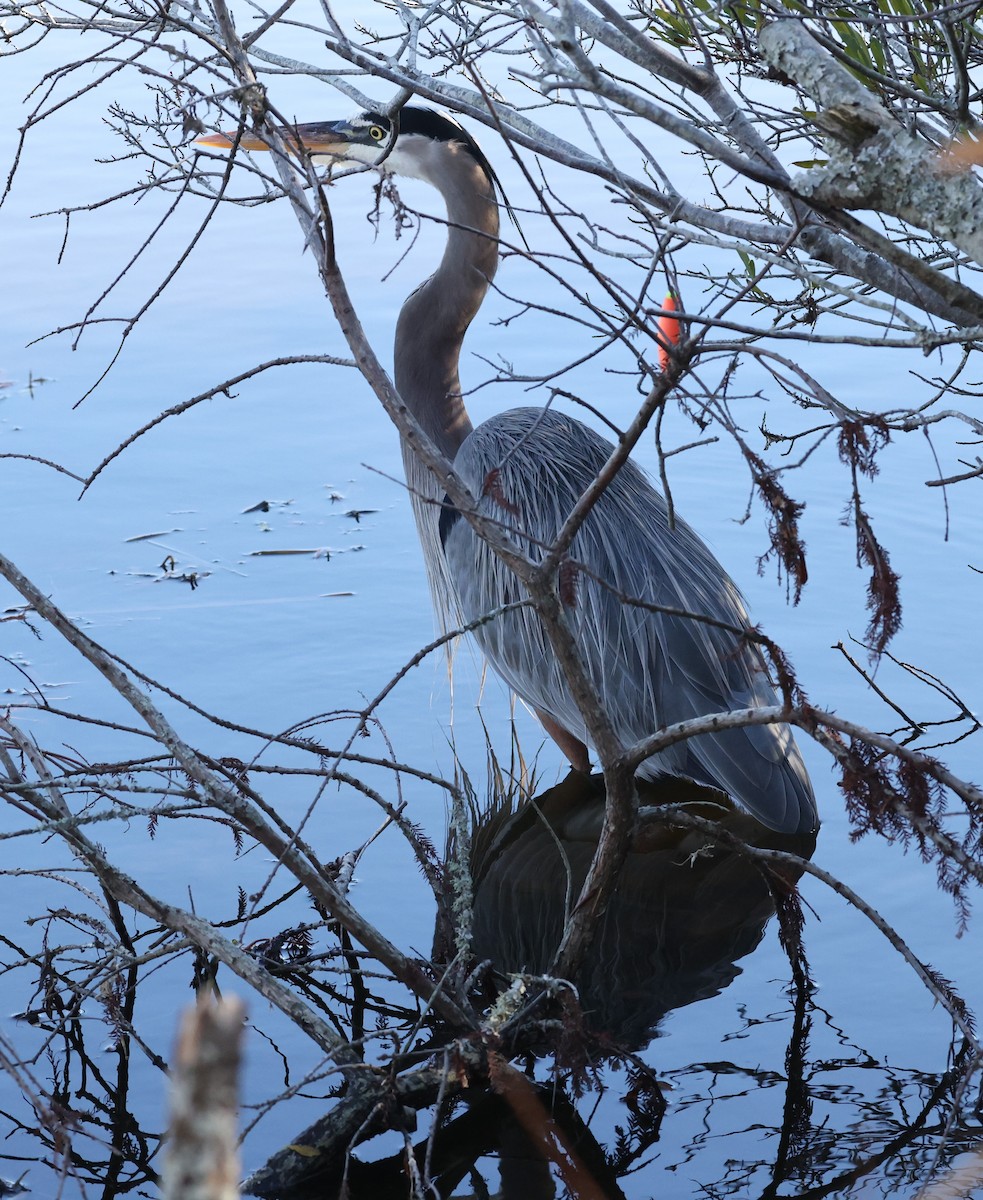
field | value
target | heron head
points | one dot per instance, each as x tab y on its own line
416	142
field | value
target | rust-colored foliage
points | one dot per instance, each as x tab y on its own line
902	800
792	694
428	857
860	442
493	487
883	587
111	997
783	526
868	789
791	923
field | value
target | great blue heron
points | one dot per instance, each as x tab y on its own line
649	668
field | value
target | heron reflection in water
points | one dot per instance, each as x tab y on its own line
686	908
649	668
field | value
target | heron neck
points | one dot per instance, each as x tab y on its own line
429	333
436	316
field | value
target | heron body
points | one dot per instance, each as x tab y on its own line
650	668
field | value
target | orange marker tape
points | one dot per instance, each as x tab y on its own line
669	331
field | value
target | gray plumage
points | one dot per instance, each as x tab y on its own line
650	669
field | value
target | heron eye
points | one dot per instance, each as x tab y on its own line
377	133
